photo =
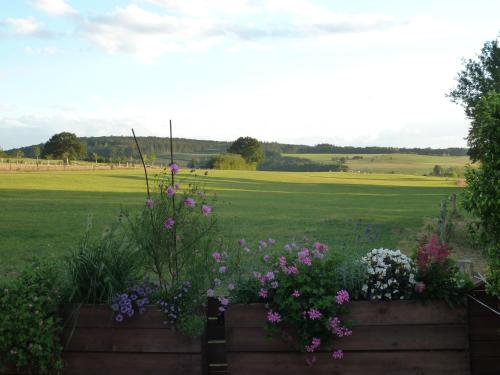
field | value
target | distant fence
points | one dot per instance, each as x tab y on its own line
54	165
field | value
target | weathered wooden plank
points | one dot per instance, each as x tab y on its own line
476	309
485	328
120	339
485	366
374	363
480	349
365	313
216	353
132	364
399	337
215	330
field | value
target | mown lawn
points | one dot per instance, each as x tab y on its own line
45	213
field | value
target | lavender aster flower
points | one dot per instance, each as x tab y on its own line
170	191
189	202
174	168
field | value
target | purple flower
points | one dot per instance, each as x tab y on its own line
291	270
217	256
231	286
170	191
315	343
270	275
314	314
266	258
338	354
150	203
206	209
174	168
263	293
342	296
271	241
242	242
273	317
222	269
275	285
210	292
304	257
119	318
223	301
222	309
169	223
189	202
177	186
296	294
287	248
115	307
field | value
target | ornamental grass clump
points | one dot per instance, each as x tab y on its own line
305	302
390	275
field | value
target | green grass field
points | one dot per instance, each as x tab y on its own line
390	163
45	213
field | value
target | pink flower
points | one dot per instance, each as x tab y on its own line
282	261
342	296
217	256
273	317
291	270
419	287
315	343
271	241
242	242
274	285
170	191
177	186
222	309
338	354
287	248
304	257
334	323
169	223
342	331
210	292
270	275
222	269
321	247
150	203
206	209
296	294
174	168
314	314
263	293
266	258
189	202
231	286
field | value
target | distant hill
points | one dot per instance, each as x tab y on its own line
113	148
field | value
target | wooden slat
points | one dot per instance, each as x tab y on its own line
121	339
132	364
485	366
216	353
485	328
476	309
480	349
398	337
215	330
365	313
380	363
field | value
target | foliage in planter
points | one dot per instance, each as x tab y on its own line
303	296
100	268
390	275
438	276
176	233
29	326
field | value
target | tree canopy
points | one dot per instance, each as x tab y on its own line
478	78
249	148
64	146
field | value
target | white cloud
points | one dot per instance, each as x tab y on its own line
26	27
54	7
148	34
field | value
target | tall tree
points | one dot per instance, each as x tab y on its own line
249	148
478	77
64	145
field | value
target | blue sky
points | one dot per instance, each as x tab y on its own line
360	72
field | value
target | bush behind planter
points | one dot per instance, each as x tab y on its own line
399	337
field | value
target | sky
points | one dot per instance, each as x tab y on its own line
357	72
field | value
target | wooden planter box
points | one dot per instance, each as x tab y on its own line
96	344
400	337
